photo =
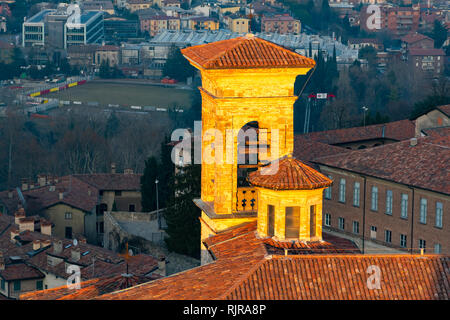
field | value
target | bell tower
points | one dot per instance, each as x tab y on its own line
247	86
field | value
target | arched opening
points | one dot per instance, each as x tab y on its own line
248	160
247	149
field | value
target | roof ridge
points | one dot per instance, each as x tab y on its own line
242	278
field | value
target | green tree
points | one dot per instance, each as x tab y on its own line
182	215
176	66
166	172
104	71
439	34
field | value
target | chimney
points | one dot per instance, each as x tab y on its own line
57	247
61	195
2	261
26	224
19	214
36	244
24	184
113	167
162	265
75	254
128	171
45	243
46	227
413	142
42	180
14	233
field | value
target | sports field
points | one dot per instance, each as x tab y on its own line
125	94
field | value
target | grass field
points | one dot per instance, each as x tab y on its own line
125	94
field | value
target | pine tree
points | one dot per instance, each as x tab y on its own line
166	172
181	215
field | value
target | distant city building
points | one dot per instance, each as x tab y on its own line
156	23
6	52
52	28
98	5
237	23
282	24
429	61
135	5
359	43
120	29
107	54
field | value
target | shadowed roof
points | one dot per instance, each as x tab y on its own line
245	52
424	165
291	174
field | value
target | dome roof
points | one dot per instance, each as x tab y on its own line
291	174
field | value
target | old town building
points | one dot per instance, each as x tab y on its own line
76	203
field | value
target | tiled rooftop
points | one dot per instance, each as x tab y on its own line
245	52
424	165
289	174
90	288
244	269
397	130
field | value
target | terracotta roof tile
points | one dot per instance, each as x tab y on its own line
400	162
397	130
291	174
244	270
20	271
245	52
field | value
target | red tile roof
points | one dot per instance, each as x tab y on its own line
20	271
345	278
307	149
245	52
397	130
414	37
112	181
290	174
245	270
445	109
417	166
90	288
426	52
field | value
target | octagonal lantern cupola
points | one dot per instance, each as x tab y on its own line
289	200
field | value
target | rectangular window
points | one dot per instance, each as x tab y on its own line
404	206
312	221
437	248
2	285
422	244
439	211
342	191
356	194
374	205
68	215
373	232
389	200
341	223
355	227
118	193
270	220
17	285
423	210
68	232
387	236
327	191
131	208
39	285
327	219
403	240
292	222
